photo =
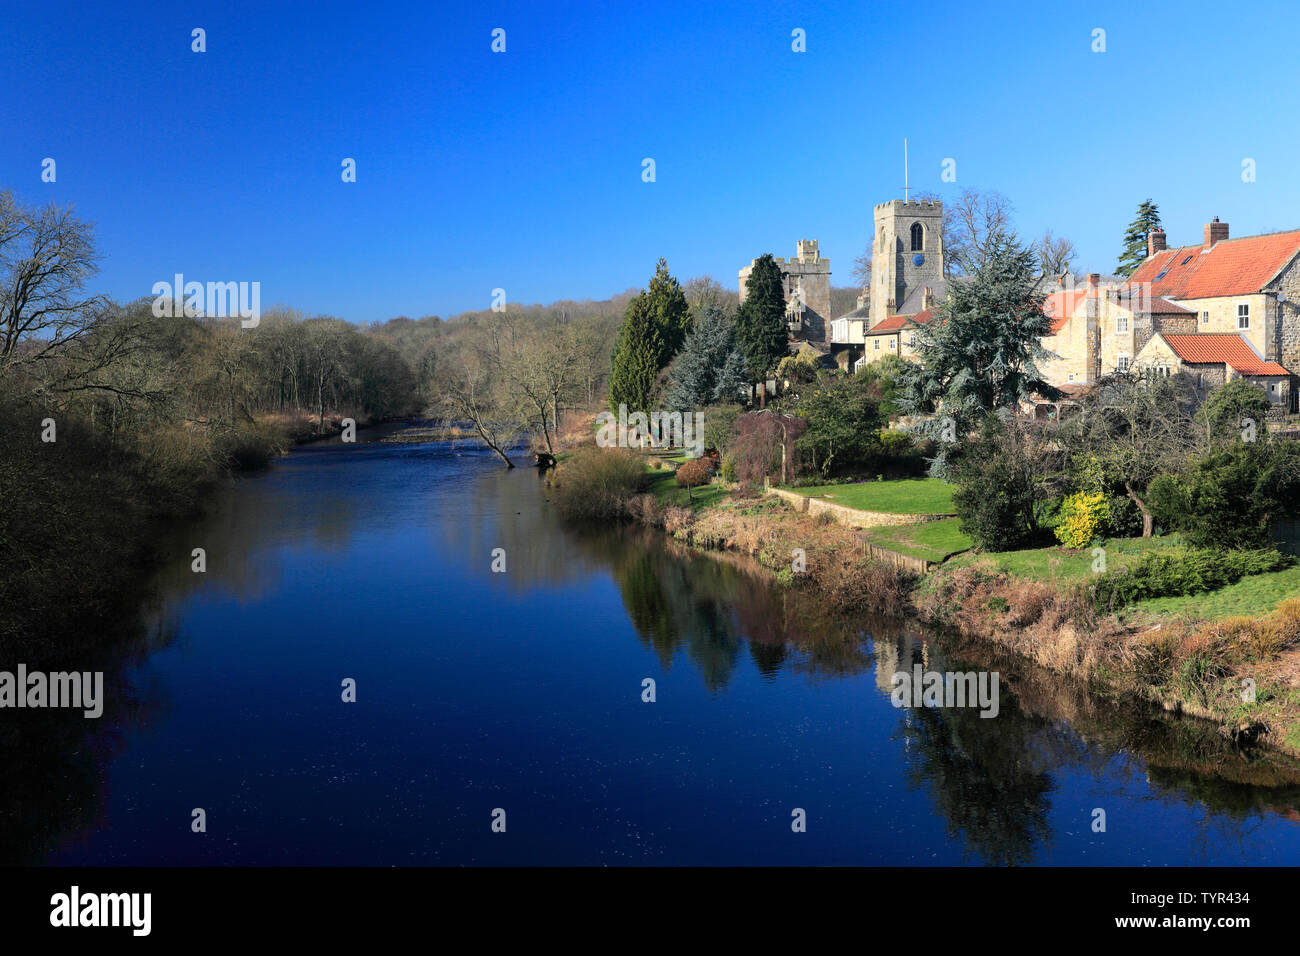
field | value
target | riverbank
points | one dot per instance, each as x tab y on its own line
1242	673
84	512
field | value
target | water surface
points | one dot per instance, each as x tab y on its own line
522	691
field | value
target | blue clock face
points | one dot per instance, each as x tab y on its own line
918	259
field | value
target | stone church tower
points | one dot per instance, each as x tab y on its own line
906	253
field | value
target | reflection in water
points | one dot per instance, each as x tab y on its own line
374	559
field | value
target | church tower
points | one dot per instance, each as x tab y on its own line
906	253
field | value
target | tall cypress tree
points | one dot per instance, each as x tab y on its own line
760	322
636	358
1135	239
672	314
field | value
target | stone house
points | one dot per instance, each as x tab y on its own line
1100	328
1213	358
1249	287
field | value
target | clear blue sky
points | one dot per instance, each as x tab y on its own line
523	170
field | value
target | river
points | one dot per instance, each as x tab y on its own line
522	691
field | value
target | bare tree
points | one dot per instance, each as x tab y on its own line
1134	429
704	293
1056	254
979	220
46	256
469	387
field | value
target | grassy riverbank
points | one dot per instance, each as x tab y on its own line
1230	654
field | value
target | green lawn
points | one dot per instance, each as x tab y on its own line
1056	563
663	485
1252	596
933	540
918	496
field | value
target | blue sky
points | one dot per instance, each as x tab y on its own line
522	170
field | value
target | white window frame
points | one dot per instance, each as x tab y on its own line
876	343
893	344
1071	377
1243	312
1121	363
1205	317
1121	324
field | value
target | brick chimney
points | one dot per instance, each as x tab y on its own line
1156	241
1215	231
927	298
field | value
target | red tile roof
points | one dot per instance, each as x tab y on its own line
896	322
1221	348
1230	267
1151	305
1061	305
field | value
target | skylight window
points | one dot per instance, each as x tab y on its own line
1161	276
1184	262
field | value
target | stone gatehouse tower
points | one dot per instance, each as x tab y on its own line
906	253
807	279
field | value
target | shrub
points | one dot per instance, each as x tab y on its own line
720	426
997	494
597	482
692	474
1182	571
1125	519
760	438
1081	519
727	471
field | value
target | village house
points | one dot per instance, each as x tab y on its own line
1101	327
1246	288
1213	358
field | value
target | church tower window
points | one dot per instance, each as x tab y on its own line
918	237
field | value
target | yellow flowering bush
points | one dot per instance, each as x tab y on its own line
1082	518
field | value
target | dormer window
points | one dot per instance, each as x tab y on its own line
918	237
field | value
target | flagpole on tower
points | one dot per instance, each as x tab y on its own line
905	197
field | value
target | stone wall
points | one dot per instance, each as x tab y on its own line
853	517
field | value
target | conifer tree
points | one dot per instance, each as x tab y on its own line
1135	239
709	369
981	351
636	358
672	313
760	323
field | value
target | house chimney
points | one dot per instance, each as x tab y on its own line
1215	231
1156	241
862	299
1094	279
927	298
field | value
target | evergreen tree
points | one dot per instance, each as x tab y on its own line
709	369
1135	239
760	322
981	351
636	358
672	314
